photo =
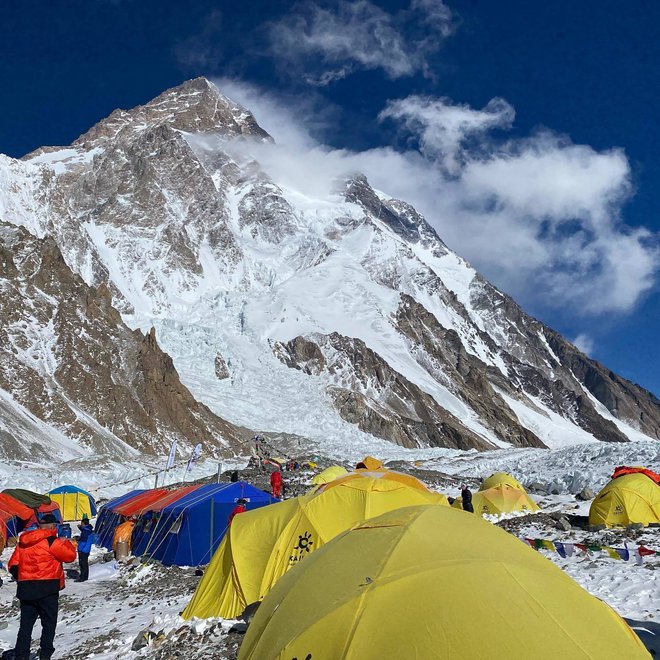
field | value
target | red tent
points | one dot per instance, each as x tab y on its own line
10	508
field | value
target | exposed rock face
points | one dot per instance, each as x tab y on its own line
68	358
366	391
442	354
167	216
221	368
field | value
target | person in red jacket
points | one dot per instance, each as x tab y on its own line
239	508
276	483
36	564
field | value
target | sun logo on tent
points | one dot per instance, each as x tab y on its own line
304	543
303	547
618	509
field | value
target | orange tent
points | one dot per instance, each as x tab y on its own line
10	508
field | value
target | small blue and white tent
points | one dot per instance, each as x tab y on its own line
188	531
108	520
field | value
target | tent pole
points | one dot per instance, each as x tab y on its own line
211	537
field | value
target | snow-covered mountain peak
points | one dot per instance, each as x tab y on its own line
339	317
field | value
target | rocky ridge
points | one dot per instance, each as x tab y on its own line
68	359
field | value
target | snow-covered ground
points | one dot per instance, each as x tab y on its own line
102	618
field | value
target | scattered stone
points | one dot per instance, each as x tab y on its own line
144	638
563	524
586	494
537	487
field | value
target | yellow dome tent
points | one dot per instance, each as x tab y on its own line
387	475
500	479
498	500
329	474
261	545
430	583
629	499
370	463
74	502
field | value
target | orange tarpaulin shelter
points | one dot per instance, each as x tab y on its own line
10	508
159	504
140	502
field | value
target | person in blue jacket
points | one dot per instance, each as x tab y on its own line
84	548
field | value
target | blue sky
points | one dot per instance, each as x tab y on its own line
527	132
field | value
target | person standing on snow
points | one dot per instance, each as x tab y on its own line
466	498
276	483
36	565
84	548
239	508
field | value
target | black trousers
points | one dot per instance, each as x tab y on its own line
44	609
83	563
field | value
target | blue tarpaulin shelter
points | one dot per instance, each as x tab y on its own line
188	531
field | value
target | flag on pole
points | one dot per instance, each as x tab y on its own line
171	458
196	453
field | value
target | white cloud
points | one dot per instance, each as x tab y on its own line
443	127
540	217
584	343
327	45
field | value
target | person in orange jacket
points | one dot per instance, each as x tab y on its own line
123	532
36	565
276	483
239	508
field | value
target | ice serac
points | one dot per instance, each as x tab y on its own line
340	317
68	359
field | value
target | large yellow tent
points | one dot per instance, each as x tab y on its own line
500	479
387	475
431	583
629	499
329	474
498	500
261	545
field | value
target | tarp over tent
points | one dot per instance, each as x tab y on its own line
108	518
500	479
189	529
628	499
74	502
499	500
263	545
27	497
432	583
329	474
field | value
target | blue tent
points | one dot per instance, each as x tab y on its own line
108	520
188	531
